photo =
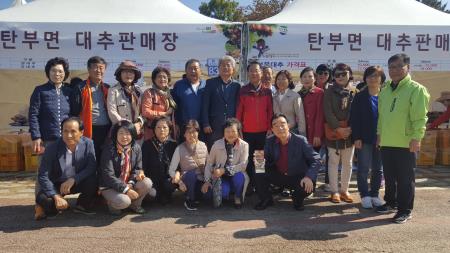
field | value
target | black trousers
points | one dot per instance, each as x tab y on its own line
255	141
99	137
87	188
399	176
263	181
163	185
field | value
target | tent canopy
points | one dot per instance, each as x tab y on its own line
360	12
106	11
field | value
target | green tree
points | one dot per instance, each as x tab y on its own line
262	9
438	5
227	10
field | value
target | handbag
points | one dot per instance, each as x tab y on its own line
333	135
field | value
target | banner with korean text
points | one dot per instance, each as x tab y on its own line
295	46
30	45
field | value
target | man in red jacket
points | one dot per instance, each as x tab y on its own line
254	112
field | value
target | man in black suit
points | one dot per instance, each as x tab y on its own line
67	167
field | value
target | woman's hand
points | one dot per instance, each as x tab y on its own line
358	144
132	194
218	172
140	176
37	146
205	187
182	186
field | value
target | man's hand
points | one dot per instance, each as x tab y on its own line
414	146
218	172
358	144
207	130
37	146
307	184
317	142
132	194
60	202
205	187
66	186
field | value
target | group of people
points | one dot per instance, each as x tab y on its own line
217	140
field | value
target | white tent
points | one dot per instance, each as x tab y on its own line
358	32
361	12
150	32
106	11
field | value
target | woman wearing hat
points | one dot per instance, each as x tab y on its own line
445	100
123	99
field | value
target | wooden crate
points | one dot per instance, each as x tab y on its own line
31	162
429	140
426	158
443	139
9	144
443	157
11	162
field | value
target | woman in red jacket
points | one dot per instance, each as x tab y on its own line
312	97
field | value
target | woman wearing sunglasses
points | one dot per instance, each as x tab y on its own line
337	101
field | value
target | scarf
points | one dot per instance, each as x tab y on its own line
125	155
304	91
229	168
133	96
162	156
166	94
86	105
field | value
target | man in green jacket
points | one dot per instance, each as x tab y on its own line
402	117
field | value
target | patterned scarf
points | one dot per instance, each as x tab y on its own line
125	156
304	91
133	96
166	94
86	105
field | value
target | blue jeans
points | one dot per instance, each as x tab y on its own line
369	156
193	185
234	184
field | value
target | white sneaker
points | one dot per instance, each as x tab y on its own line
366	202
376	202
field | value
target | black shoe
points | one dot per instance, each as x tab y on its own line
299	206
190	205
249	192
285	193
263	204
385	209
81	209
401	218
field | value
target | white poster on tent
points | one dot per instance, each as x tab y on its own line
30	45
295	46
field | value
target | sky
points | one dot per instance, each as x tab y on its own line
193	4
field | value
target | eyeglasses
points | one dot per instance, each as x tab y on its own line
323	73
340	74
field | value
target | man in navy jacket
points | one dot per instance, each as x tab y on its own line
188	94
67	167
219	100
290	162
